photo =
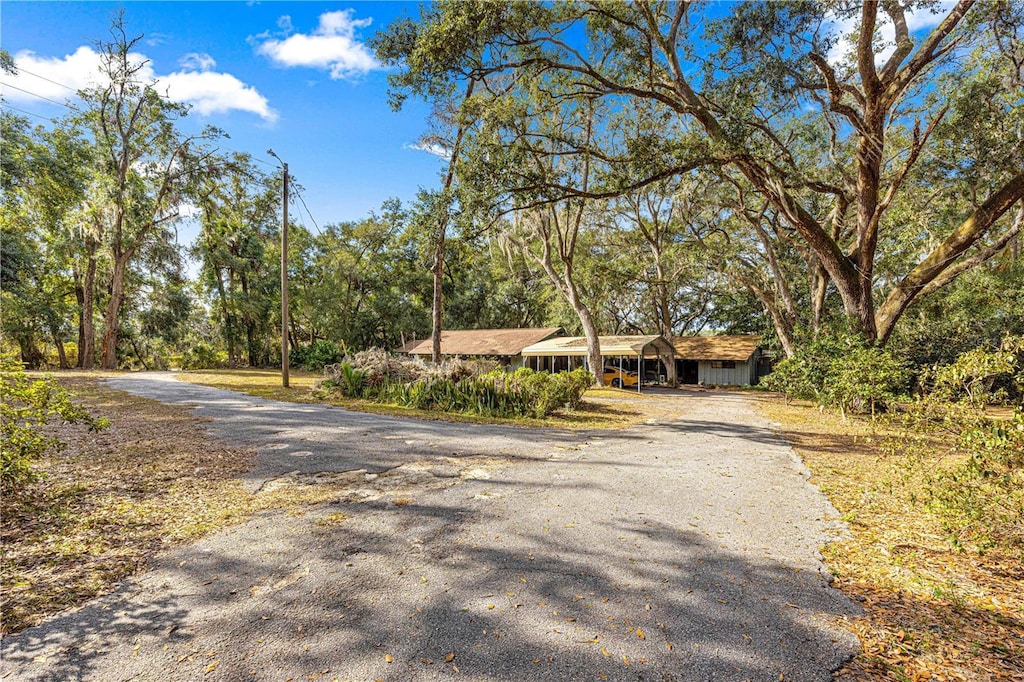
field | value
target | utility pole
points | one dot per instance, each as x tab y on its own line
284	273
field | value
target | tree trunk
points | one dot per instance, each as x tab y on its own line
111	317
135	349
86	328
250	343
30	353
665	323
589	331
229	327
62	357
819	290
436	309
80	300
782	323
438	269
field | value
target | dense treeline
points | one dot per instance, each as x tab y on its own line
787	181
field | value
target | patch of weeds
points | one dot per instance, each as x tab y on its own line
602	408
335	519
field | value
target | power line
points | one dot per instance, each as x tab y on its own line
48	80
308	212
36	94
27	113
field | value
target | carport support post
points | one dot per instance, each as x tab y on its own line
639	371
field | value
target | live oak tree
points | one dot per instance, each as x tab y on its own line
547	226
752	246
731	89
661	260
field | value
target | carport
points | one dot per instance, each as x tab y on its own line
614	351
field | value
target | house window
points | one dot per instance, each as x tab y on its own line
723	364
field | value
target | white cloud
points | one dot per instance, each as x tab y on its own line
438	150
197	61
332	46
209	92
53	77
216	93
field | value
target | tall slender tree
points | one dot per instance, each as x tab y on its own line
145	166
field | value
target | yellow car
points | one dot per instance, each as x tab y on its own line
620	378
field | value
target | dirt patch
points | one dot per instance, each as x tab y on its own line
931	612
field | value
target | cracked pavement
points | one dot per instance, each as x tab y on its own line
686	549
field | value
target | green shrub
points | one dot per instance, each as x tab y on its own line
975	481
971	469
204	356
982	498
472	387
345	379
983	375
317	355
841	372
26	406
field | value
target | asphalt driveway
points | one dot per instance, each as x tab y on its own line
681	550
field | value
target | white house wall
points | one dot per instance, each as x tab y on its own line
740	375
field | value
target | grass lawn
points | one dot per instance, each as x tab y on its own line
931	612
594	413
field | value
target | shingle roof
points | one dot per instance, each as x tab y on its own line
503	342
610	345
716	347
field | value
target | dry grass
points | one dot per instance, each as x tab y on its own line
619	412
931	612
263	383
113	499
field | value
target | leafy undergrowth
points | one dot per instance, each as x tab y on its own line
931	611
618	413
112	499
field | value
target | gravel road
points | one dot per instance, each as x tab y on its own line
686	549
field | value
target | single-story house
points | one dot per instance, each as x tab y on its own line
723	360
503	345
622	352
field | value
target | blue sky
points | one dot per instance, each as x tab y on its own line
296	77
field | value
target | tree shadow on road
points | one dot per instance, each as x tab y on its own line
426	591
728	430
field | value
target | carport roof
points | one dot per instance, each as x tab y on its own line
610	345
500	342
716	347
